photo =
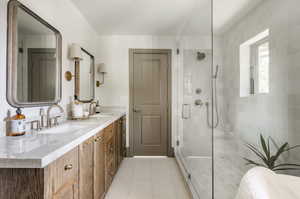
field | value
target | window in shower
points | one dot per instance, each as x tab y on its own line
254	65
260	62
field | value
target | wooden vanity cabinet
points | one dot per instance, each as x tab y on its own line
59	180
99	166
86	172
86	169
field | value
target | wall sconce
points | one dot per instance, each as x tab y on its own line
101	69
75	54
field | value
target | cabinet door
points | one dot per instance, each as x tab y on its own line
86	163
123	139
109	156
65	176
119	144
68	191
99	166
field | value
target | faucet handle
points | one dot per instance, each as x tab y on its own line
38	125
56	120
42	112
49	122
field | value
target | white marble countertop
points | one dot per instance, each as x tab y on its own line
38	149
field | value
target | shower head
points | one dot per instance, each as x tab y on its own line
200	56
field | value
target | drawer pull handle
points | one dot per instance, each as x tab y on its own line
98	139
68	167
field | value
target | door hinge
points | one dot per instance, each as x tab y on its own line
177	143
177	51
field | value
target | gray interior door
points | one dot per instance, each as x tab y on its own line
150	104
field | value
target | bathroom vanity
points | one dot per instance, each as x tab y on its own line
61	163
69	160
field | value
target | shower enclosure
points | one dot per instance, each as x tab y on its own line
195	143
235	85
195	102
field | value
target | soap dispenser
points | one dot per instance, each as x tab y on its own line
17	124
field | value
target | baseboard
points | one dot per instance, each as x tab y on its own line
171	152
128	155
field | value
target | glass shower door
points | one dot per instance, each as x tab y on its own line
195	135
196	146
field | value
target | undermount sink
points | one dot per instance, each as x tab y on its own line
63	128
102	115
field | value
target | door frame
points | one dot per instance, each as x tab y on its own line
168	52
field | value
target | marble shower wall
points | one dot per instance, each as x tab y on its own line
276	114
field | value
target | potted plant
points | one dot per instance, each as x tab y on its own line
269	159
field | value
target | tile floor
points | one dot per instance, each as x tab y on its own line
148	178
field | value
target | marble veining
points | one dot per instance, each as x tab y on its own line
38	149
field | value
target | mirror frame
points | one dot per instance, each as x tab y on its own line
12	57
77	78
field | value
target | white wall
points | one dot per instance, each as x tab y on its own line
278	113
114	52
64	16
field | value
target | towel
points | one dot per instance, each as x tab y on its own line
262	183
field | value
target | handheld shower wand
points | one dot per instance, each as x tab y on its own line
215	101
216	72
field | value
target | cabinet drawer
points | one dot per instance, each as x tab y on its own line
66	169
108	132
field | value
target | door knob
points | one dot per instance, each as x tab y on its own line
136	110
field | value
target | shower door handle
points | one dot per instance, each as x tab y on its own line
186	111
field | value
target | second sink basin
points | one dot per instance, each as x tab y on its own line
63	128
102	115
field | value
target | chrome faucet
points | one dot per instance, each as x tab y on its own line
49	119
42	118
92	111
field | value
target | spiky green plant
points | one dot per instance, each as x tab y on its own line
269	160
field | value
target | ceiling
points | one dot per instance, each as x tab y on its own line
162	17
229	12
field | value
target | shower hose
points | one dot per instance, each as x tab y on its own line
214	108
